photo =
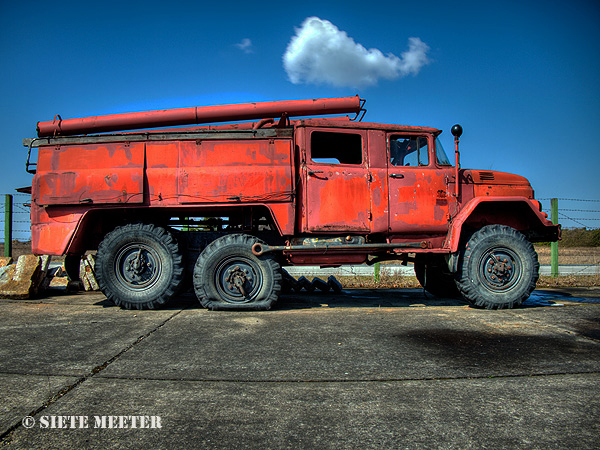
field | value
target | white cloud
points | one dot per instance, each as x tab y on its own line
245	45
319	53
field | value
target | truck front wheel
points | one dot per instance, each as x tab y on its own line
228	275
139	266
498	268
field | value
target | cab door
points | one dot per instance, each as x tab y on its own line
336	181
418	190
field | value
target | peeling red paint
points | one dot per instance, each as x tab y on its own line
418	200
111	173
326	194
219	171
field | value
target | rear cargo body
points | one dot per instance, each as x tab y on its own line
230	204
157	174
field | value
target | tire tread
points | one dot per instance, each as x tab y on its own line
470	288
200	284
164	238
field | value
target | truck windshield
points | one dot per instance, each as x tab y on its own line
442	159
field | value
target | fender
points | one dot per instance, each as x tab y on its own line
52	229
524	213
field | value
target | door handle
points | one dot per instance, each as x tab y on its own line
396	175
314	172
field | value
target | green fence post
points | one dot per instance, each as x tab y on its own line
554	245
8	225
377	268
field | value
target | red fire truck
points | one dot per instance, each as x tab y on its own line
185	200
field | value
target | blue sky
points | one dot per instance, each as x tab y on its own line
521	77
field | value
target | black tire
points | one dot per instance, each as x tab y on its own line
228	275
71	265
139	266
432	272
498	268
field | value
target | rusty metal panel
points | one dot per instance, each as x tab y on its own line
162	161
233	131
496	210
337	195
378	180
419	200
52	229
338	199
502	191
51	238
90	174
256	171
499	184
284	215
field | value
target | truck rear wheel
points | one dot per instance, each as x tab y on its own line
498	268
139	266
432	273
228	275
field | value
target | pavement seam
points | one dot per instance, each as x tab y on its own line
327	380
5	438
353	380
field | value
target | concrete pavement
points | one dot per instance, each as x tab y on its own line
363	369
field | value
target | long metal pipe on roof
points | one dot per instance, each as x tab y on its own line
198	115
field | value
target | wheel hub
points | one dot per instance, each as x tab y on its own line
238	279
136	267
500	269
137	264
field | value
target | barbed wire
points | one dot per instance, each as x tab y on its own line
579	218
22	209
578	221
569	218
580	210
570	199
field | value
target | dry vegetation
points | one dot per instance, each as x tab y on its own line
385	282
18	248
411	282
569	255
570	281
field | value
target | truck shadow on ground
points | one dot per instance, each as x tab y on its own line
502	347
365	298
384	298
351	298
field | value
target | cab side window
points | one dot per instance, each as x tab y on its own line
336	148
409	151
